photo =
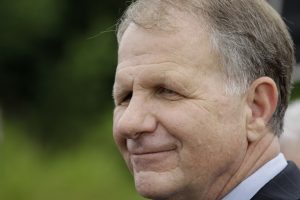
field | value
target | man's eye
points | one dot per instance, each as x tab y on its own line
126	99
165	91
168	94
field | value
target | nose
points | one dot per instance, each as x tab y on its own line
136	119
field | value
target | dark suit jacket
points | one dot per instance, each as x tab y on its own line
284	186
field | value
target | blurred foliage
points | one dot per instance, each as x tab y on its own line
57	62
90	172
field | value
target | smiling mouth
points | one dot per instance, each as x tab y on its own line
153	155
154	160
152	152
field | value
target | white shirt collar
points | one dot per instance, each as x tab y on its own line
251	185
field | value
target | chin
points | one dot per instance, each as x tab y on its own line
158	185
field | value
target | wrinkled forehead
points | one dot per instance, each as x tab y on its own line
186	40
138	43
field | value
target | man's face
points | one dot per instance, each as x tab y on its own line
179	133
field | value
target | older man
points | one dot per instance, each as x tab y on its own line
200	93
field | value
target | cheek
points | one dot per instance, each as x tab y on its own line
192	128
188	123
208	137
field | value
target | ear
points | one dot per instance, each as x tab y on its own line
262	98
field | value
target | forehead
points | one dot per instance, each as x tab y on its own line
138	44
188	46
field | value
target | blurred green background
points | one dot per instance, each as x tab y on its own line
57	63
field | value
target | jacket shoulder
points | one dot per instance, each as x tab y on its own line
284	186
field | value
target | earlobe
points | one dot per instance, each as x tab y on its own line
262	98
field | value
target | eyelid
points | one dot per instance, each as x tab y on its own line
123	97
168	94
166	90
127	96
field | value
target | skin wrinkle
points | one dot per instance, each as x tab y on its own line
166	80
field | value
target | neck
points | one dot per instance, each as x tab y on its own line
258	154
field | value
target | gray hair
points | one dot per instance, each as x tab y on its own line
251	38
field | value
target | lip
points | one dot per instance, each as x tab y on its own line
154	160
154	150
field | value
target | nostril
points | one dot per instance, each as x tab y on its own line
136	135
132	135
